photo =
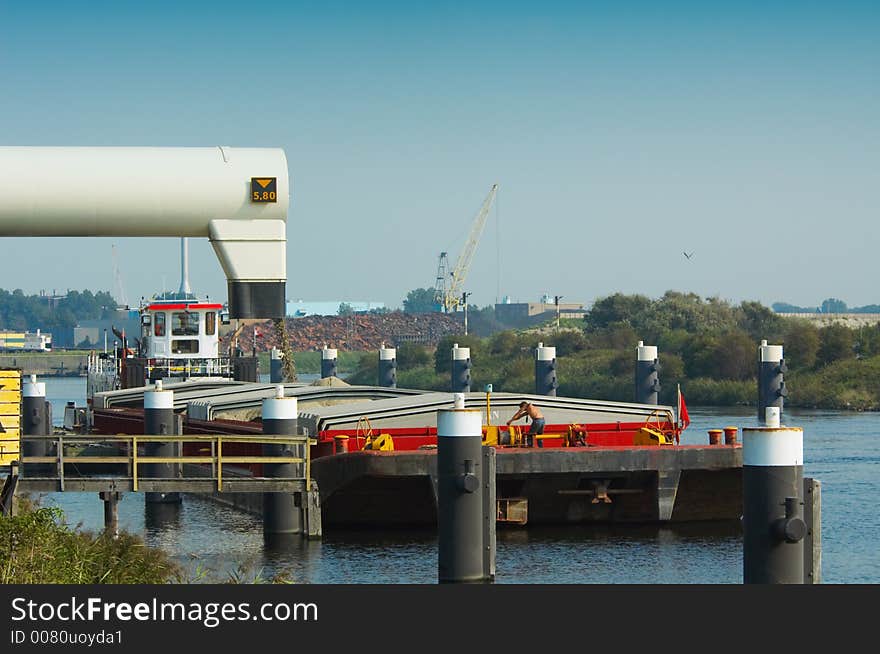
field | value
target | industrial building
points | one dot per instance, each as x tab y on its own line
528	314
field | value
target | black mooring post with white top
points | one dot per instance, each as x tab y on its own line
34	422
281	515
461	369
771	385
159	420
328	362
276	366
647	374
545	370
463	536
773	524
387	367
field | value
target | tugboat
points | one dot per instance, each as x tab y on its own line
179	341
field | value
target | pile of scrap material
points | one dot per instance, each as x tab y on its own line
357	332
329	381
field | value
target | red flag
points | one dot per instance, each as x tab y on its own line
683	418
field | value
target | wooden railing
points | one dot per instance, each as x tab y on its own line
132	451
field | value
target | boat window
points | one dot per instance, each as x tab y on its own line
184	323
184	346
210	323
159	325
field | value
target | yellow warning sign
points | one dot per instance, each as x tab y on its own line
10	415
264	189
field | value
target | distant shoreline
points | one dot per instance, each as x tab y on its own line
64	363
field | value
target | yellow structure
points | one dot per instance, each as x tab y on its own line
10	415
380	442
655	430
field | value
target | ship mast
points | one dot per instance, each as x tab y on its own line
185	290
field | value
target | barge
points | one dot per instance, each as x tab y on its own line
374	461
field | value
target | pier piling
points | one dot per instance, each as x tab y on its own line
159	420
276	366
466	541
545	370
328	362
773	524
813	539
35	421
387	367
111	512
771	385
282	514
647	374
461	369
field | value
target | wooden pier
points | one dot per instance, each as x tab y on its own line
121	465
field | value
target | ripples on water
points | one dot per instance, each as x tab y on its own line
840	449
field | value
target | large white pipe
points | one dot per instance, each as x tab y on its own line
144	191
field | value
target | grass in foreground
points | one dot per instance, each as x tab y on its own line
38	547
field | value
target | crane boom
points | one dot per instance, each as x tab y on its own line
463	263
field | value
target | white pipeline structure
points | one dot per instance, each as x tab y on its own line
237	197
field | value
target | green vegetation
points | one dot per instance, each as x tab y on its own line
708	346
420	300
38	547
20	312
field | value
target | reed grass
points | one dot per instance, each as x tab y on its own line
37	546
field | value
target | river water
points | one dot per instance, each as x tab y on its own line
215	543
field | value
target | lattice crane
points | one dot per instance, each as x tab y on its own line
450	296
440	284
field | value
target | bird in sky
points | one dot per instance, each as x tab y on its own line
688	256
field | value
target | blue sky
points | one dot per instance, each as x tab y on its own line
620	134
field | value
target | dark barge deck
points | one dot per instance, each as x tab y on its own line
560	486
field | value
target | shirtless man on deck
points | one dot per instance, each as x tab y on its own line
533	412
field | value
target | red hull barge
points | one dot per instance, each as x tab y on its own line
582	473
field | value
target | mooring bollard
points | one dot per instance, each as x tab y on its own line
771	385
34	422
461	369
328	362
159	420
715	436
465	541
730	435
545	370
276	366
773	524
387	367
647	374
281	515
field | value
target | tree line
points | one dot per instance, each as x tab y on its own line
20	312
707	346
